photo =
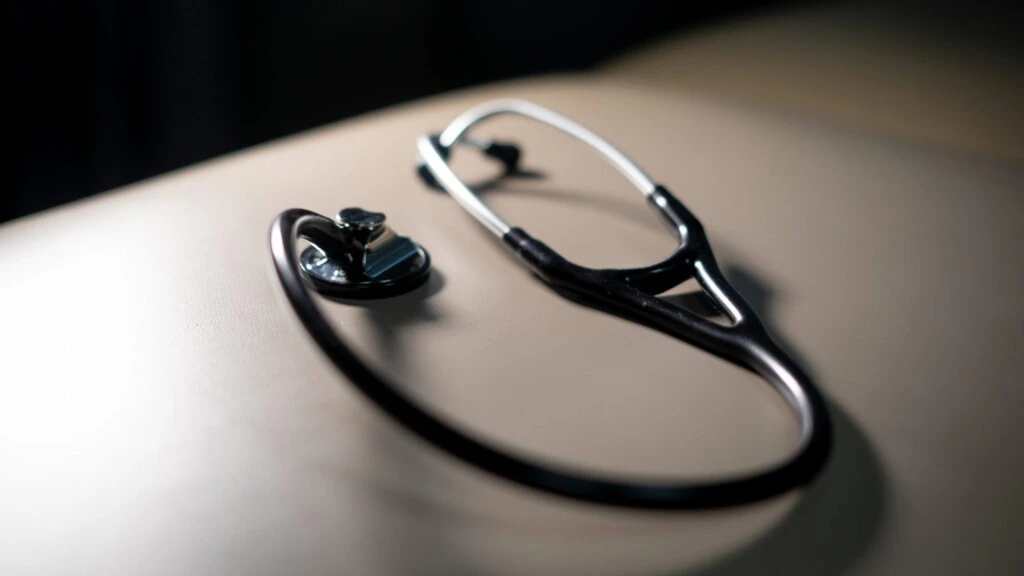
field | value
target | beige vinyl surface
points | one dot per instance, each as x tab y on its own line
943	74
161	412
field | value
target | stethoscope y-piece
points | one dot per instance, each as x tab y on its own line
628	293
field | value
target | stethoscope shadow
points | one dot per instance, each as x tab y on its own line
406	541
828	531
838	517
390	315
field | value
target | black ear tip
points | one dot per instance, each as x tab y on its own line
507	153
427	177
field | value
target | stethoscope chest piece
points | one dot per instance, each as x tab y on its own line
358	256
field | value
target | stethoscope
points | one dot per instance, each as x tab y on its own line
357	256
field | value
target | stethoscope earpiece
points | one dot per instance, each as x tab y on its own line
505	152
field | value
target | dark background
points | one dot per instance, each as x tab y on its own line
109	92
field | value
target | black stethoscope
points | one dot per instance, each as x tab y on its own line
358	256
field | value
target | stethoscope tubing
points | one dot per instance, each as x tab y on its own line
628	293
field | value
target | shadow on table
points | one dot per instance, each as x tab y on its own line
403	538
838	517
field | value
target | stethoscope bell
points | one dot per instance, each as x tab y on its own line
361	257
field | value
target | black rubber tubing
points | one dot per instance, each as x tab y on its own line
797	470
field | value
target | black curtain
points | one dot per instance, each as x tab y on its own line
109	92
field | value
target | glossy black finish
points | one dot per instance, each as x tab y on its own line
341	265
627	293
632	294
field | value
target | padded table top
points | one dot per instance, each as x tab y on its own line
162	412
